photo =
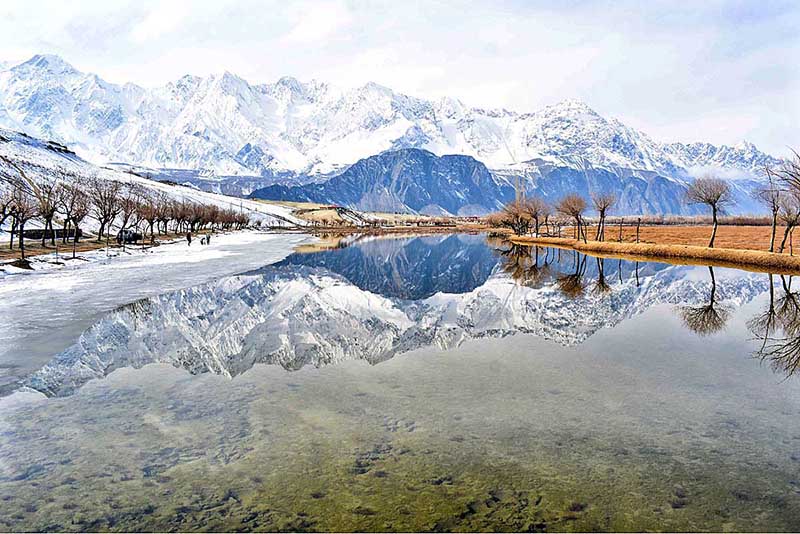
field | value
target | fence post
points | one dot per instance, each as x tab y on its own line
638	224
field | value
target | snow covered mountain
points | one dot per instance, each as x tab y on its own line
45	161
223	123
304	311
220	128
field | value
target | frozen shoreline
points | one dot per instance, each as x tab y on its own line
43	311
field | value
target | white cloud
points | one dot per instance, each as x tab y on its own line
316	22
163	19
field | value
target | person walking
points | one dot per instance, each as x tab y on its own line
208	239
189	238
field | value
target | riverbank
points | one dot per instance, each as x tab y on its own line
750	260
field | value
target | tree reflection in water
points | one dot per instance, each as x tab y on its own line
601	285
708	318
523	264
572	285
778	328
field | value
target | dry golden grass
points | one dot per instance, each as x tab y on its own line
325	216
736	237
746	248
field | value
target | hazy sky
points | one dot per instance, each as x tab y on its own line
718	71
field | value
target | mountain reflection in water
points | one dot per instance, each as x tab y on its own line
379	297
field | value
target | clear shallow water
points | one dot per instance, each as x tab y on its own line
440	383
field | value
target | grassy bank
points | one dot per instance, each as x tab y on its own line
754	260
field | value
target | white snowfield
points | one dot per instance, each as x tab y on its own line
41	313
224	125
39	159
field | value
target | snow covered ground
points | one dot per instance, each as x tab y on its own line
42	312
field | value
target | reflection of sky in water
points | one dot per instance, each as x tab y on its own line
642	424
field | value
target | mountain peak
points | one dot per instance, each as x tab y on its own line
377	88
745	146
290	82
573	105
48	62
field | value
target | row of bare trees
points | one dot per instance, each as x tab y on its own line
535	214
780	194
69	199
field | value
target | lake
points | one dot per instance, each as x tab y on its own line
448	382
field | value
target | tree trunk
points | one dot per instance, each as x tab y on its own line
44	231
714	228
581	230
66	228
22	239
774	228
100	233
785	237
13	230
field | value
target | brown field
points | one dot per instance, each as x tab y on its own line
736	246
736	237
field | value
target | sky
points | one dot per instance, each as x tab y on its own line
718	71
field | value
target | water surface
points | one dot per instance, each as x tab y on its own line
427	383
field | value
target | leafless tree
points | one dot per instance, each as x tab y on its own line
25	208
105	202
713	192
48	195
770	197
537	210
788	172
514	215
129	200
789	215
147	211
72	195
602	202
80	210
573	206
6	205
163	211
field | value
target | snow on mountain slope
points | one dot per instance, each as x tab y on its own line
226	125
39	160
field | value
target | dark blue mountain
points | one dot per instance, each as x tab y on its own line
410	180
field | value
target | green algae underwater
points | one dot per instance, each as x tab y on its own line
496	444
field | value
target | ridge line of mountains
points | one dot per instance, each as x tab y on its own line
367	148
